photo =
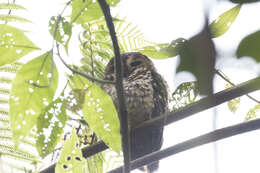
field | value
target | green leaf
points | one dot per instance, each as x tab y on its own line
71	159
85	11
50	126
95	163
10	6
253	113
113	3
186	93
13	45
198	55
244	1
12	18
162	51
75	100
233	104
249	46
63	32
100	114
222	24
27	101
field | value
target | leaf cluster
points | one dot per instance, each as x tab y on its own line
39	112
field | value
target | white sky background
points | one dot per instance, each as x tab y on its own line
166	20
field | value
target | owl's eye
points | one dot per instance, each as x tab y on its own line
135	63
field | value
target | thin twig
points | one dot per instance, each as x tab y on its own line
119	86
53	44
80	73
223	76
195	142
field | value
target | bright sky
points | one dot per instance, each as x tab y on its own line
164	21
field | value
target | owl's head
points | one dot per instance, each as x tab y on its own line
133	62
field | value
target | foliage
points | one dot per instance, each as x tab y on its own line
253	113
249	46
61	30
50	126
26	100
71	159
10	17
14	44
105	122
220	26
233	104
23	157
185	94
37	115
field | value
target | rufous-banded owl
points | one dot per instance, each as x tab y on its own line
146	97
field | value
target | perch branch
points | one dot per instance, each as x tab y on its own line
119	86
195	142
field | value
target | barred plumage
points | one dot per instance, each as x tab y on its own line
146	97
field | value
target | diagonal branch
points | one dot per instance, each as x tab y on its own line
207	102
195	142
119	86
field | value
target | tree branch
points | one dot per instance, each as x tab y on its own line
195	142
119	86
207	102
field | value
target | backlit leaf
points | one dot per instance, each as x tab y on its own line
185	94
63	31
113	2
233	104
50	126
27	101
13	44
12	18
71	159
222	24
100	114
10	6
249	46
162	51
85	11
253	113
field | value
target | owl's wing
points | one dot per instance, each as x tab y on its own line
149	139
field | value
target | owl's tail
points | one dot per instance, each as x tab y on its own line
151	168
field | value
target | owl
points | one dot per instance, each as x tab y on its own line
146	97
